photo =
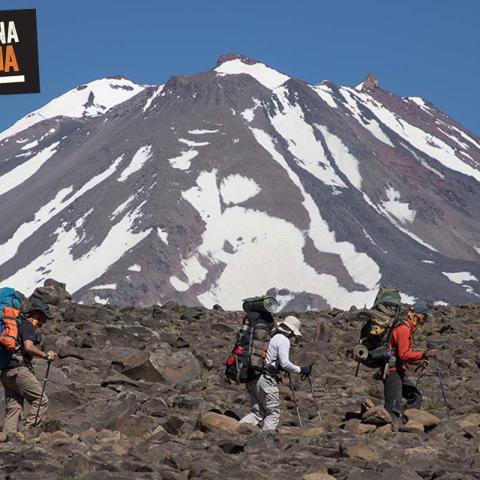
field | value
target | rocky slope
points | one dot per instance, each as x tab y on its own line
138	393
238	180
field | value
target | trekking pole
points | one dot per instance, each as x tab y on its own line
294	399
441	388
43	391
423	367
314	399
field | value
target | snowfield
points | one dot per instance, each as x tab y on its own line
267	76
106	94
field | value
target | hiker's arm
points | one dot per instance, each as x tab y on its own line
30	348
406	354
283	357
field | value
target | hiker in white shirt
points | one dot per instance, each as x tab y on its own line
264	393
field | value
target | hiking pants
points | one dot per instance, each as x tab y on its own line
264	402
21	384
396	386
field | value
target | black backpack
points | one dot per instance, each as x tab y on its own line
377	327
247	359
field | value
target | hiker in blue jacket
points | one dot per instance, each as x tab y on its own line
18	378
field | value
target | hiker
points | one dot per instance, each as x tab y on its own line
263	390
396	383
18	378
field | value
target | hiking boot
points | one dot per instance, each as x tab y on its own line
3	437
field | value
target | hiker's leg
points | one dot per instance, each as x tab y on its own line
411	393
393	395
269	396
13	402
256	410
29	386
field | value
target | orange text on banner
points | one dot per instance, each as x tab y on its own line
9	60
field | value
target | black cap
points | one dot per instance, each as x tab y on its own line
39	307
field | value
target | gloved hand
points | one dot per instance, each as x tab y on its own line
305	371
431	353
51	356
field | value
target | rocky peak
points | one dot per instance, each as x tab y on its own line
370	82
235	56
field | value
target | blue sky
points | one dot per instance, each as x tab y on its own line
427	48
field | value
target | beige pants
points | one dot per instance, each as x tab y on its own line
264	402
21	384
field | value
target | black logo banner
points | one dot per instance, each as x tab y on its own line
19	72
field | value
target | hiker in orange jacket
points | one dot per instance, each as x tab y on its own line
397	384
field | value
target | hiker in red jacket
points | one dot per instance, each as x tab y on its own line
397	384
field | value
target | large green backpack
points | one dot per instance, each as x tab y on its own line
378	323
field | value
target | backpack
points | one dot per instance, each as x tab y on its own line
10	320
376	331
247	359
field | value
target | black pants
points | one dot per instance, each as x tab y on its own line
396	386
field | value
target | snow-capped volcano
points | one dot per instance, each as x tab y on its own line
237	181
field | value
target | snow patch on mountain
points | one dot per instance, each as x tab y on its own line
421	103
325	93
460	277
407	298
178	285
122	207
371	125
135	268
142	155
400	210
192	143
300	137
193	270
466	137
267	76
237	189
154	95
94	98
199	131
184	160
100	300
163	234
344	160
461	144
109	286
10	248
249	113
58	262
27	169
35	143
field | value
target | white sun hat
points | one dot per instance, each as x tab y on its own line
293	324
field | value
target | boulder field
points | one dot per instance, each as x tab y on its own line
139	393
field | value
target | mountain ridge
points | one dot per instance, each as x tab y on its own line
345	181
